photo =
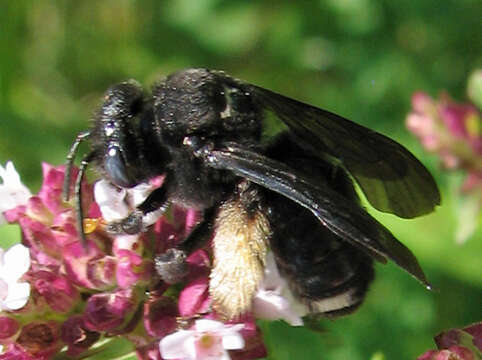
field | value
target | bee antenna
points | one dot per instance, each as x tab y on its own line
78	197
70	162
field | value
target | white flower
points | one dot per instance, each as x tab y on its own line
111	200
209	340
13	264
12	191
117	203
274	299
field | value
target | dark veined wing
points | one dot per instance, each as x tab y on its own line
391	178
343	217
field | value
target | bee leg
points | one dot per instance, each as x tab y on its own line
200	234
171	265
134	224
78	197
130	225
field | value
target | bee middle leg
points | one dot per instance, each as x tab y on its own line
171	265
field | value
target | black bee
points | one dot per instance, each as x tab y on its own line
293	193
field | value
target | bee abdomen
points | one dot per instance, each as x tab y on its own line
327	274
338	290
334	284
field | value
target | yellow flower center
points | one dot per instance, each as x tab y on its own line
206	341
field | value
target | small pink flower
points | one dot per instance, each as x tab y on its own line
456	337
450	128
208	340
455	117
51	190
131	268
472	182
38	236
101	272
453	353
422	103
48	223
108	311
454	132
57	290
77	258
64	227
194	298
16	352
457	344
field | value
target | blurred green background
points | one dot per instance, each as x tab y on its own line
362	59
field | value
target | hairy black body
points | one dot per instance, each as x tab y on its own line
294	193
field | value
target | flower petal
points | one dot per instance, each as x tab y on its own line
272	279
173	346
205	325
274	299
3	290
12	192
272	306
111	201
16	262
225	356
18	295
139	193
233	341
193	297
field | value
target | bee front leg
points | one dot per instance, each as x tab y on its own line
136	222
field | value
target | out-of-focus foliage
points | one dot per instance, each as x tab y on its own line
360	58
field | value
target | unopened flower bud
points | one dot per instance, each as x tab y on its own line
40	338
76	335
8	328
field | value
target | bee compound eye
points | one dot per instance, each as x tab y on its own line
117	169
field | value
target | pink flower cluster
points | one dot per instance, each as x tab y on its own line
452	130
457	344
78	296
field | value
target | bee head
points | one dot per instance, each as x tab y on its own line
116	137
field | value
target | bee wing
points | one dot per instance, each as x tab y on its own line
391	178
343	217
